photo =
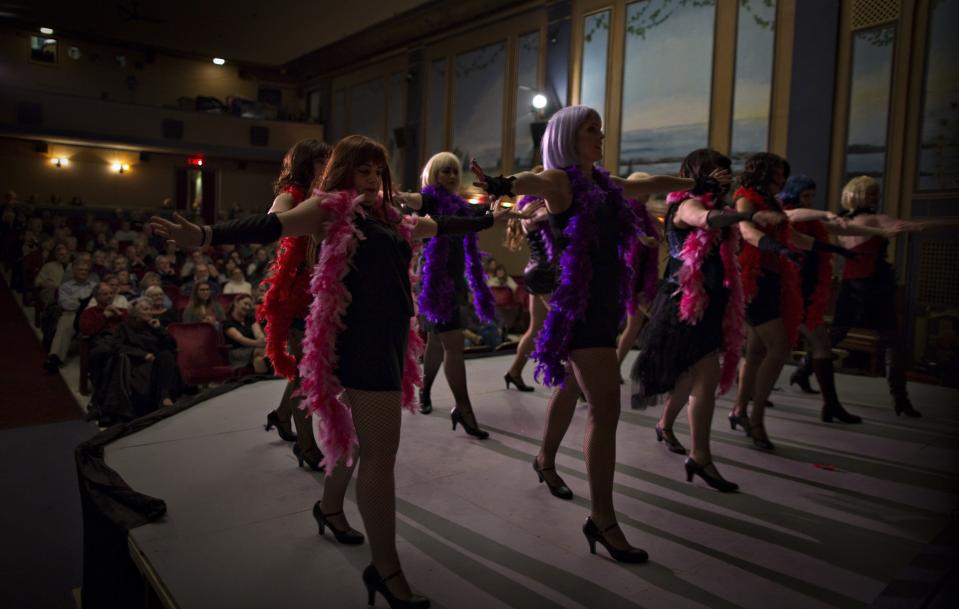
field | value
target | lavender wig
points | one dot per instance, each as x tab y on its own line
559	141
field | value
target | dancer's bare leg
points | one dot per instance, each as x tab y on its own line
432	359
597	373
634	323
774	340
376	417
755	353
537	315
454	367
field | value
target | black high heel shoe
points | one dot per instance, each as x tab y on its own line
762	443
349	537
593	534
516	380
667	436
717	482
904	406
561	490
426	404
284	429
476	432
313	462
375	583
740	419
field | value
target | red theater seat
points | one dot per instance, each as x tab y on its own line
199	354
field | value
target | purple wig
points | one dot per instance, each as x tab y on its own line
559	141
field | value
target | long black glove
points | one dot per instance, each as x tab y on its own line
718	218
768	244
461	225
264	228
825	246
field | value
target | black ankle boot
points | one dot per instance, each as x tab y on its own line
831	406
801	374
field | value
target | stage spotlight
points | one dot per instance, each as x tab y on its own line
539	101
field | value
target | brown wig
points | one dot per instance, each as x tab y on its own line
760	169
349	153
702	162
298	164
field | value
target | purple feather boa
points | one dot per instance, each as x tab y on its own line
642	258
437	296
571	297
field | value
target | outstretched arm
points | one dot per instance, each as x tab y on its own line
308	218
637	187
804	214
551	185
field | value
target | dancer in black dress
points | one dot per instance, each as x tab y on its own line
357	367
698	313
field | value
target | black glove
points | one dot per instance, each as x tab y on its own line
265	228
706	184
825	246
768	244
500	186
461	225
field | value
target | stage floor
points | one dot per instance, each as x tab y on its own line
828	520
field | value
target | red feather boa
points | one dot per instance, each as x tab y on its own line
750	259
287	297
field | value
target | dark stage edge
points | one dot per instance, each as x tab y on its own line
834	518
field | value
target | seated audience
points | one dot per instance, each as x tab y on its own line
237	283
51	275
203	306
71	296
501	279
161	305
201	274
163	268
244	336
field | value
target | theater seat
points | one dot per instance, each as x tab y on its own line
172	292
199	355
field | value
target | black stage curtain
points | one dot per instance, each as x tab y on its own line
111	509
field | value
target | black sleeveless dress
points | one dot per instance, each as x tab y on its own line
600	325
372	347
669	346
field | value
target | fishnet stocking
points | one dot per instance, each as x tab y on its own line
559	414
432	359
537	315
376	417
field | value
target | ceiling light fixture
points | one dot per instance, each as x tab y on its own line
46	31
219	61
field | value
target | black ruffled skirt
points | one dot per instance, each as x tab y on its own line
669	347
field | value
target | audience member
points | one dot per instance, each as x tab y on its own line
72	295
244	336
203	306
237	283
51	275
102	315
201	274
161	305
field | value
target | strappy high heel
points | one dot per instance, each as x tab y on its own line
741	420
374	583
516	380
349	537
282	428
314	463
717	482
457	418
593	535
666	435
560	490
762	443
426	404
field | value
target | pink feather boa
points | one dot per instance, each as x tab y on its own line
694	300
319	385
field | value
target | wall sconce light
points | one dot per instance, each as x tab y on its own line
118	167
219	61
46	31
59	161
